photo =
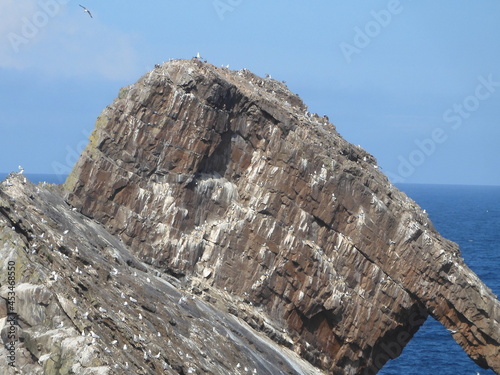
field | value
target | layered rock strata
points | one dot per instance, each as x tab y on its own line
226	177
84	304
214	225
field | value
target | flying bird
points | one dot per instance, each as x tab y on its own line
86	11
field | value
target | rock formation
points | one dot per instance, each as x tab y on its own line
250	235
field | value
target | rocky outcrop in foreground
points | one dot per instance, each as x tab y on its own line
86	305
214	225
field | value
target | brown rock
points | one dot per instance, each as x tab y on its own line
228	172
225	181
198	167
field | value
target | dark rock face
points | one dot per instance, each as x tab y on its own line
86	305
226	182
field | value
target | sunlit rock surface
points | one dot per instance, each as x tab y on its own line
222	228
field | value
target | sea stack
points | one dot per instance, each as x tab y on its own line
251	235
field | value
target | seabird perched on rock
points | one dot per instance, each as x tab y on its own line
44	357
86	11
21	169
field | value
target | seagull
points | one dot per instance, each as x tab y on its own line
86	11
43	358
452	331
21	169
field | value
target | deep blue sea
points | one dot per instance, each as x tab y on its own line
469	216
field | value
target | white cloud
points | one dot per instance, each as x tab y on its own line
56	37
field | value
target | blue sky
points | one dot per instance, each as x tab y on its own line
415	83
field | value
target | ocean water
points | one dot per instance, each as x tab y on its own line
469	216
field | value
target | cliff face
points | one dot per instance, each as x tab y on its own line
85	304
224	181
227	177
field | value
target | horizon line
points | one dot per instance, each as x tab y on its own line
3	175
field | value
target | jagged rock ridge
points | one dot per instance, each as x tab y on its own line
225	181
